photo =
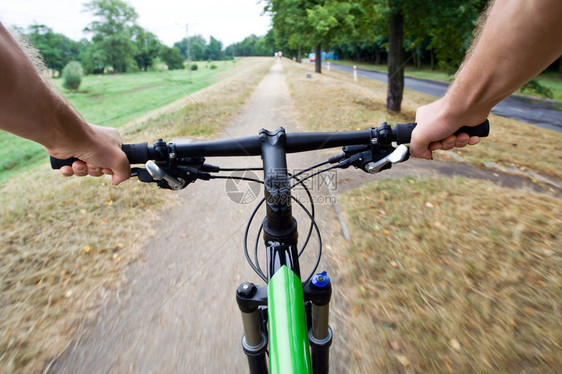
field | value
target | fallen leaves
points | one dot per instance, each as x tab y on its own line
403	360
455	344
486	290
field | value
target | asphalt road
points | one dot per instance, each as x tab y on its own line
536	112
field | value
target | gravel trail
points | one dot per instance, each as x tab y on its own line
177	312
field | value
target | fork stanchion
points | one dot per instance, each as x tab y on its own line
319	291
254	341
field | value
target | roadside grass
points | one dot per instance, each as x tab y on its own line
454	275
64	242
550	80
111	100
332	101
444	275
411	71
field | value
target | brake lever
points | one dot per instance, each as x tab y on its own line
158	174
401	153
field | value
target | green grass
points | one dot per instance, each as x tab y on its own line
423	73
550	80
110	100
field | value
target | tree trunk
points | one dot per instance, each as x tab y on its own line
377	57
299	53
395	61
318	58
432	59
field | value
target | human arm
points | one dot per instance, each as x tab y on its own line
30	108
519	39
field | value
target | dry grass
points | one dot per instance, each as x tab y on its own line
332	101
455	275
64	243
448	275
206	111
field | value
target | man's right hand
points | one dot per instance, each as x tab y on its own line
435	130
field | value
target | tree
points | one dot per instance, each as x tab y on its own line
56	49
147	47
252	46
395	57
94	59
172	57
214	50
312	23
112	32
442	26
197	46
330	20
290	25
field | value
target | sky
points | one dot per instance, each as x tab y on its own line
229	21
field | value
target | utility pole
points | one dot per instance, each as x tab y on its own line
188	52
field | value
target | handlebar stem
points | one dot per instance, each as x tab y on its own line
279	225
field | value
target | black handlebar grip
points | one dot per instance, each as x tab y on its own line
136	153
404	131
57	163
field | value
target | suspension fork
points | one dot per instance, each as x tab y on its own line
251	302
280	236
318	292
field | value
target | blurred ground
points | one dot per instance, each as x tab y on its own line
177	313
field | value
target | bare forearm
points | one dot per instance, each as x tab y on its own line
29	107
520	39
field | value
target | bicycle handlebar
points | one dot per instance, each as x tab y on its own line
251	146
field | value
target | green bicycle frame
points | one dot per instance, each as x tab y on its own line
288	337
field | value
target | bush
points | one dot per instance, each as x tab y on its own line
535	86
172	58
72	75
194	67
213	66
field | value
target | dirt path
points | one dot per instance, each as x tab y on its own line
177	311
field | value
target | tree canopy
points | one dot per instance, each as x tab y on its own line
438	30
112	33
57	50
397	32
252	46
